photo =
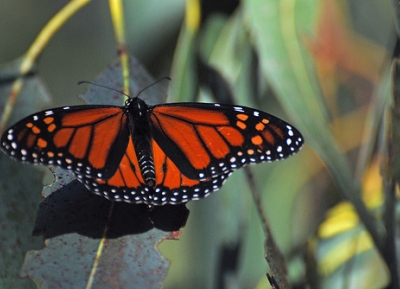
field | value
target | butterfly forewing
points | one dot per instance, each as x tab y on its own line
88	140
206	140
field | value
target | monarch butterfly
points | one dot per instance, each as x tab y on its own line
161	154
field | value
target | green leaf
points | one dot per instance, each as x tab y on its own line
19	184
184	83
277	28
350	259
69	260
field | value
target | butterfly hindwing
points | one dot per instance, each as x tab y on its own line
171	185
206	140
76	138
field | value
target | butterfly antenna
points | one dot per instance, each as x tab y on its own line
96	84
157	81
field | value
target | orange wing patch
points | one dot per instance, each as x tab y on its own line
194	115
184	135
89	127
172	186
200	134
167	173
128	173
88	140
126	184
88	116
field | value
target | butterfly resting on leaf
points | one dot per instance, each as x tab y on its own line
156	155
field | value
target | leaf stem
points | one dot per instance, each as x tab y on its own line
273	255
35	50
100	249
117	15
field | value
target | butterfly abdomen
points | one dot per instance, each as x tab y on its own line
140	127
146	165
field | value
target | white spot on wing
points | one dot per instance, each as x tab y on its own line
238	108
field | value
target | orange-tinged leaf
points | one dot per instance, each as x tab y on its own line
339	51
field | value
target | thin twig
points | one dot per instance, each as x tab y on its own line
273	255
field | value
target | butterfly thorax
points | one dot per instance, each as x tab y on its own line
137	111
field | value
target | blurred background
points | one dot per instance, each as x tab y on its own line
323	66
152	34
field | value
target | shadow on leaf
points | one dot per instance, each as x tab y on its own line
73	209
